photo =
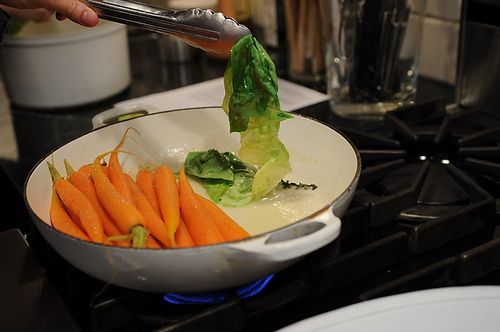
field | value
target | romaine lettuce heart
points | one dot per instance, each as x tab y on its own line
252	105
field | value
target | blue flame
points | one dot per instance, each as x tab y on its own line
208	298
254	288
219	297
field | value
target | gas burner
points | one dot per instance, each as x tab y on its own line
419	173
242	292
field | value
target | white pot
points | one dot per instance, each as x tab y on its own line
318	154
60	64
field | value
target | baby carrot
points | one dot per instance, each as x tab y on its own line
127	218
168	199
155	224
117	177
87	169
145	181
116	174
82	180
75	201
199	222
151	243
61	220
228	227
182	236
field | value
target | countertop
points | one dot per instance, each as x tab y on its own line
27	135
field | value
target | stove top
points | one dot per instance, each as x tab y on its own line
424	215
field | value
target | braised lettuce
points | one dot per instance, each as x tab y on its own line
253	108
226	178
252	105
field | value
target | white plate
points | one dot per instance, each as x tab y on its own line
452	309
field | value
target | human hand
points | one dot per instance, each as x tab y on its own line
75	10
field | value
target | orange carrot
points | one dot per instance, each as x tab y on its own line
62	221
168	199
116	174
82	180
75	201
154	222
74	217
117	177
228	227
145	181
85	169
199	222
127	218
151	243
182	236
105	169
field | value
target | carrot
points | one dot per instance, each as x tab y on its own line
145	181
87	169
182	236
117	177
151	243
228	227
154	222
116	174
82	180
76	202
61	220
126	216
199	222
168	199
74	217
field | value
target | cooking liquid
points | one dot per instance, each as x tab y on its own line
280	208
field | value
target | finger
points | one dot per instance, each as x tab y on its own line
60	17
74	10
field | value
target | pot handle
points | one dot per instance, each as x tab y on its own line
295	240
117	114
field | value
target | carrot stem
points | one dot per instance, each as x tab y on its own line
139	235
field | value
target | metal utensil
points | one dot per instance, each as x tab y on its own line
202	28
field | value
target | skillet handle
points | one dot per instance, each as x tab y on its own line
296	240
117	114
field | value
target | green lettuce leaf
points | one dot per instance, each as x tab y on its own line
226	178
252	105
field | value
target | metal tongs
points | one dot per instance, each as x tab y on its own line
202	28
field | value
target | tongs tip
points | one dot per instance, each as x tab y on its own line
202	28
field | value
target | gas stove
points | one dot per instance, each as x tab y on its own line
424	216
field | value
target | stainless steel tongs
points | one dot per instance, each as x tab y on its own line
202	28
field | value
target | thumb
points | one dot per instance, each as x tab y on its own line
76	11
